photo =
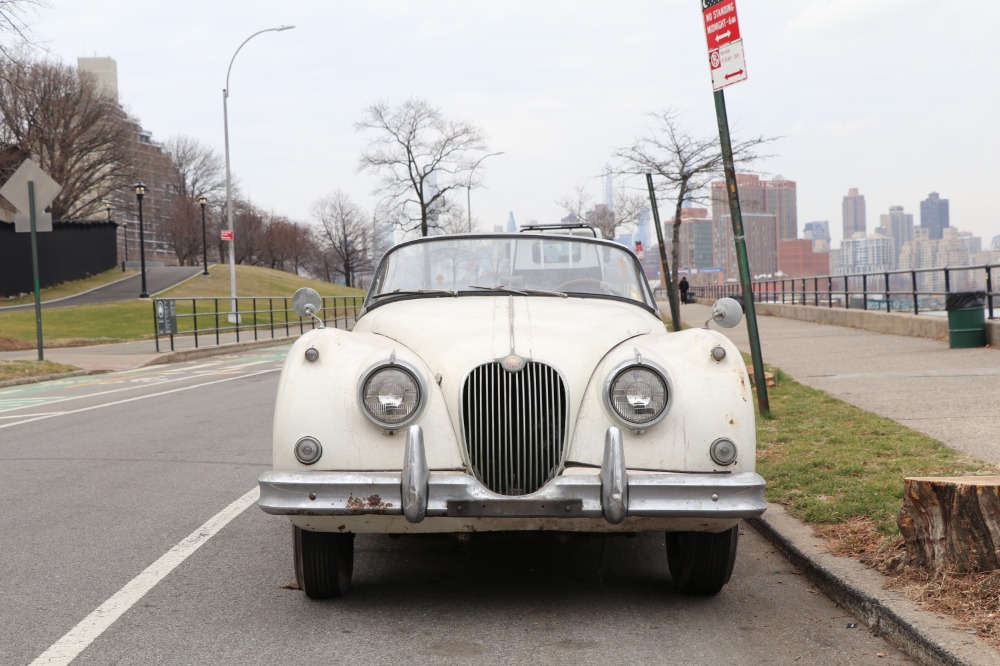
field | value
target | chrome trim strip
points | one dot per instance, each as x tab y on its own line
413	484
659	494
614	478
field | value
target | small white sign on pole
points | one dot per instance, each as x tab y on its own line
725	44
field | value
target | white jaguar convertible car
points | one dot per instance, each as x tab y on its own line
513	382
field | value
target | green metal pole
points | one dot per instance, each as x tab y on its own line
675	314
741	253
34	269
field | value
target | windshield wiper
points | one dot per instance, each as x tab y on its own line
416	292
520	292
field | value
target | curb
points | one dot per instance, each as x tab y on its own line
928	638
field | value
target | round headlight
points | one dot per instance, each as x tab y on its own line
390	396
723	451
308	450
638	395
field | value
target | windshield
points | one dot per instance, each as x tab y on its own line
535	265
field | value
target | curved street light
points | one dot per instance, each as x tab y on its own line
234	315
468	187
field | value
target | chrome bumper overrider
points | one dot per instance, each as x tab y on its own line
417	493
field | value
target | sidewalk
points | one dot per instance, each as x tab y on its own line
950	394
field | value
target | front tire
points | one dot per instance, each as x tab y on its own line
324	562
701	562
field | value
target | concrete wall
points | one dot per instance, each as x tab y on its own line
920	326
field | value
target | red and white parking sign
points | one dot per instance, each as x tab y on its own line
227	235
725	46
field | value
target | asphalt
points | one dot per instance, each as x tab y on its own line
949	394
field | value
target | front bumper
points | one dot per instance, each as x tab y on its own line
416	493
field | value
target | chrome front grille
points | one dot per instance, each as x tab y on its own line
515	425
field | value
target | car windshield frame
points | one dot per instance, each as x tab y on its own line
510	264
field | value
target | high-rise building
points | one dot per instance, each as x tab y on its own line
780	198
104	70
951	250
898	226
695	239
853	208
874	254
934	215
759	201
819	233
799	258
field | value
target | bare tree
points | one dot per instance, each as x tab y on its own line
685	166
200	170
420	157
346	234
182	230
14	27
76	132
628	206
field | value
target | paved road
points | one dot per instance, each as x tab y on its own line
158	278
130	537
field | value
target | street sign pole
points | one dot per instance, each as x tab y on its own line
726	64
741	252
34	268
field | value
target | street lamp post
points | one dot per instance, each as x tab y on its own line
204	243
140	191
468	186
234	315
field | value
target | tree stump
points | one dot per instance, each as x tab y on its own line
952	523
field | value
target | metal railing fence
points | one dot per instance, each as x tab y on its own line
911	290
209	321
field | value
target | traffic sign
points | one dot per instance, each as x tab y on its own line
15	190
227	235
721	24
725	45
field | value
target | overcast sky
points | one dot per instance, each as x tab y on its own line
897	98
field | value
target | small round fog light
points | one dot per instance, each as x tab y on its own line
718	353
312	354
723	451
308	450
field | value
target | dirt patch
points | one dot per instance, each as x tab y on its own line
971	599
7	344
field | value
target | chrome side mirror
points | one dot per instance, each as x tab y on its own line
727	313
307	302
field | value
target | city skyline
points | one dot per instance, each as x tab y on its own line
558	87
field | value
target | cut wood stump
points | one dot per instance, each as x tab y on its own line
768	378
952	523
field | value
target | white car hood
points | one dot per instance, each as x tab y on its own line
454	335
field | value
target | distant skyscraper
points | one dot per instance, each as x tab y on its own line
854	214
774	200
780	198
934	215
864	255
816	230
898	226
105	70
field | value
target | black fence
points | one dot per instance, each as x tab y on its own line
71	251
890	291
211	321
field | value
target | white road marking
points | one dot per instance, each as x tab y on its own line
67	648
138	382
32	418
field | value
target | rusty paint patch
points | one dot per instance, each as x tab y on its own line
370	504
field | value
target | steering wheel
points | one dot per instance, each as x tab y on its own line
586	285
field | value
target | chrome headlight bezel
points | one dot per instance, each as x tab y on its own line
645	365
419	385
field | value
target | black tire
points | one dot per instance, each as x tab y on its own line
324	562
701	562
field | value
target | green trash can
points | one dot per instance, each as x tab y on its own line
966	319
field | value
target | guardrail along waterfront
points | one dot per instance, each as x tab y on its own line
208	320
915	290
